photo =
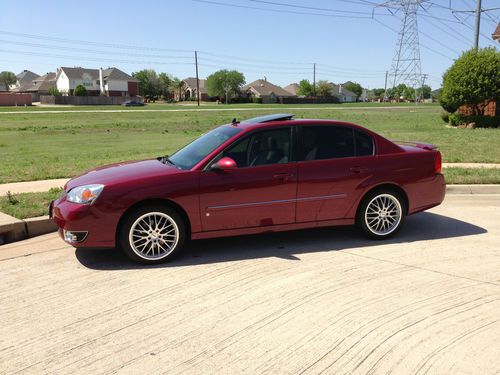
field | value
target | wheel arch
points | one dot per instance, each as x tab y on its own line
162	202
384	187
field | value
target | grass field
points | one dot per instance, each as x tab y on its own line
27	205
37	145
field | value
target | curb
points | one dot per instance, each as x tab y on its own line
18	230
472	189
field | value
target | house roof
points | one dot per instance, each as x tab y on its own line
26	76
496	33
340	90
44	83
292	88
110	73
117	74
265	88
191	83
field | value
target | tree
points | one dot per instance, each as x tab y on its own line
54	91
354	87
80	90
305	88
7	79
324	88
424	92
178	84
165	85
225	83
378	93
472	79
148	83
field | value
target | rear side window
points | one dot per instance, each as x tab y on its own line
327	142
364	143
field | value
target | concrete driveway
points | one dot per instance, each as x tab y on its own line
324	300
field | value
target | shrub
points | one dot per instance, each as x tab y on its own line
456	119
80	90
54	91
257	100
445	116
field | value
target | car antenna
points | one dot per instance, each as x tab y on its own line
234	122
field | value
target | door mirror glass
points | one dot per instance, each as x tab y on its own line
225	164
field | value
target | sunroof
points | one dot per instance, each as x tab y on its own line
268	118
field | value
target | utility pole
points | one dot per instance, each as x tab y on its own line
314	82
478	25
197	79
385	85
424	77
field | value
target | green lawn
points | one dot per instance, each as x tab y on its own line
37	146
27	205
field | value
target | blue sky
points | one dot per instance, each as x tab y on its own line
274	42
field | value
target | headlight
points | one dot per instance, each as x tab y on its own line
86	194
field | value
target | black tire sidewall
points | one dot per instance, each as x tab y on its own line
123	236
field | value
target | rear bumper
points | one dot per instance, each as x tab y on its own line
426	194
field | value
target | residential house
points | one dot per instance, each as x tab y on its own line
496	33
342	94
109	82
42	85
292	88
189	89
268	92
24	81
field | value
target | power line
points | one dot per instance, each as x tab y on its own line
368	15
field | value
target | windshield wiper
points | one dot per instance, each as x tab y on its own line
166	160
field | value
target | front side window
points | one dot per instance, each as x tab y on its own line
327	142
262	148
191	154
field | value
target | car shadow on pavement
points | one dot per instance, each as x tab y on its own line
287	245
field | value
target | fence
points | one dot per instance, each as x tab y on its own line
299	100
86	100
15	99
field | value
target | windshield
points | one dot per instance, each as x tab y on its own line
191	154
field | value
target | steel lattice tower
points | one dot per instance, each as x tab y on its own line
406	67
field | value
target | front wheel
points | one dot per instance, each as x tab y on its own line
381	214
152	234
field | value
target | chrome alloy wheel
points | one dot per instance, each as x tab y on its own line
153	236
383	214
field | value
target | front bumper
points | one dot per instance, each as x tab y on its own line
82	225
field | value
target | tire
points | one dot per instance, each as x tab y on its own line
381	214
152	234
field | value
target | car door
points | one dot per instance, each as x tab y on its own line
334	162
260	192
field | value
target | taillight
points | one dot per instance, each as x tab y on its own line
438	162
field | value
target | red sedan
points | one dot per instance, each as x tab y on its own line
271	173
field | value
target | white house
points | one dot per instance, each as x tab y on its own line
110	82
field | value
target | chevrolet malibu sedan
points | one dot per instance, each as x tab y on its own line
266	174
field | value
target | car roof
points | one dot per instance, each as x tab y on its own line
283	119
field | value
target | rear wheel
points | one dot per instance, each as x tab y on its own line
381	214
152	234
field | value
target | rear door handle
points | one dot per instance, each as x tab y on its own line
358	169
283	176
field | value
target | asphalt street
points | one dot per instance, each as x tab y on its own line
311	301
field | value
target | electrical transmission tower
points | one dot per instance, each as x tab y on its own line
406	67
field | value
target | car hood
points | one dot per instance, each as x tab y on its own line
123	172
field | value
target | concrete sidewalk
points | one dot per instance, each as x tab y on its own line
472	165
32	186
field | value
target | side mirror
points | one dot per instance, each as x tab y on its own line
225	164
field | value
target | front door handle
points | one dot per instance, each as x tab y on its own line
283	176
358	169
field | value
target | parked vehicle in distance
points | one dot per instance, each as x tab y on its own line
133	103
270	173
